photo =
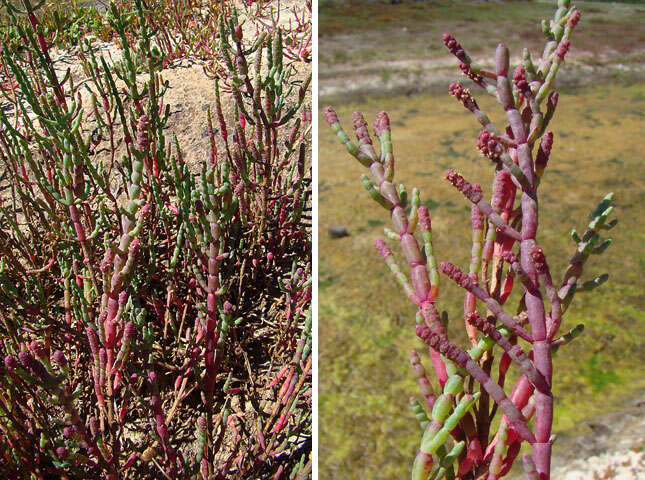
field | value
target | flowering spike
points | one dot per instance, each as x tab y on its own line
464	96
454	47
465	187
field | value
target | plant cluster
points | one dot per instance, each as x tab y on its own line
297	32
184	28
463	436
61	24
193	29
154	309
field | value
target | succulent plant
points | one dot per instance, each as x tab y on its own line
134	283
461	438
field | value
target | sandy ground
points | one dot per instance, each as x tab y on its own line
611	447
433	75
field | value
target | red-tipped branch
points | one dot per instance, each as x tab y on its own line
476	197
425	387
542	268
462	359
472	71
514	351
461	279
465	97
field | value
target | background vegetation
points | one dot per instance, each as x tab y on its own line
375	44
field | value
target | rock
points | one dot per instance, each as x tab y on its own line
600	429
338	232
574	475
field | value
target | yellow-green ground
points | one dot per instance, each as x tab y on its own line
365	327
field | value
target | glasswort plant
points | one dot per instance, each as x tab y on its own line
146	296
460	437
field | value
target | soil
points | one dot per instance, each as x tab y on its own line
611	446
433	75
